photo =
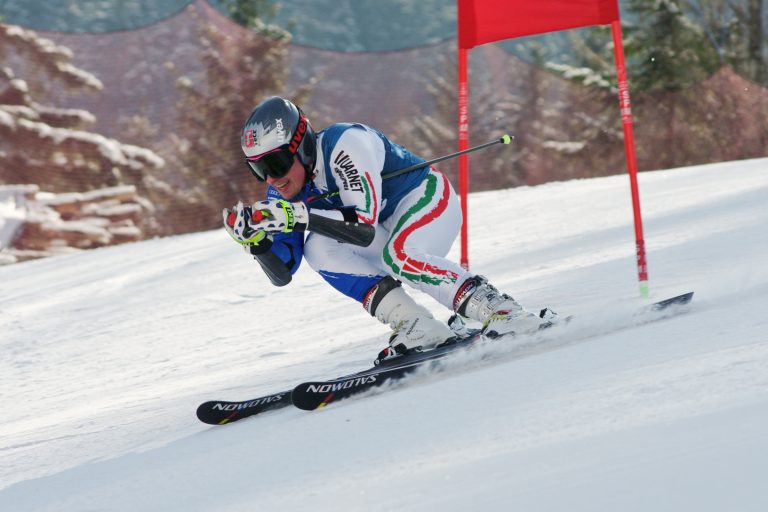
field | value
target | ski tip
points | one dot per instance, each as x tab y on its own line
678	300
208	414
219	412
685	298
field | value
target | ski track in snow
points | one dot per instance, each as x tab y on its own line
106	355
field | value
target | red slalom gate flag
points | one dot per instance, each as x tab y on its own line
485	21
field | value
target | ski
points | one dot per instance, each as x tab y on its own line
316	394
220	412
678	300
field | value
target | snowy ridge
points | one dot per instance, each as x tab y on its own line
107	353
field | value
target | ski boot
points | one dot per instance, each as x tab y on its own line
413	326
500	314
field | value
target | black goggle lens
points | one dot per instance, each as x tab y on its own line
275	164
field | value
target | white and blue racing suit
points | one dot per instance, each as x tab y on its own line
416	217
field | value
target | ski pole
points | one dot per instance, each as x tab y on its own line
504	139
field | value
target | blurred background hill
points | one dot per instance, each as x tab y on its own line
120	120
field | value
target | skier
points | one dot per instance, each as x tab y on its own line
367	234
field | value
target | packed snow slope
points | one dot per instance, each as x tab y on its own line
106	355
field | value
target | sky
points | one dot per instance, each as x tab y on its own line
107	353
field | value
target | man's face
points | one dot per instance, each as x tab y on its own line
291	184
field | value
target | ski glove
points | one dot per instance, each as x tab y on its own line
238	225
279	216
248	225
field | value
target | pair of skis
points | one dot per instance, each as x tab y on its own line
313	395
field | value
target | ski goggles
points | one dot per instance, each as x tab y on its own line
275	163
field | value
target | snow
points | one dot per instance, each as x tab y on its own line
564	147
101	194
12	210
61	54
81	116
586	75
7	120
107	353
116	152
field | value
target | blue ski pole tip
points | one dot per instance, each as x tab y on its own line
506	139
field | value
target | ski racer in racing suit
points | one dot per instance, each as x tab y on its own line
329	201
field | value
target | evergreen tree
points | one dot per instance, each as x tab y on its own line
665	49
254	14
736	30
493	112
756	66
558	128
669	44
239	69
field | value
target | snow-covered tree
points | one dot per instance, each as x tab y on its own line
559	128
68	188
671	44
238	69
51	146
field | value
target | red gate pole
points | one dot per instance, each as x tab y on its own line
463	161
629	149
